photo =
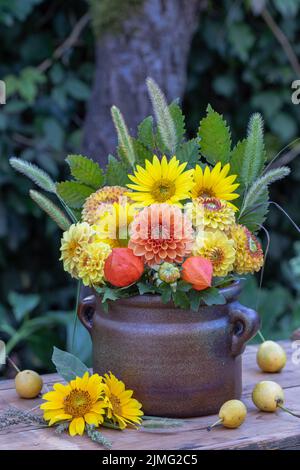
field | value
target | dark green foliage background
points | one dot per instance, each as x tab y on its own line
236	64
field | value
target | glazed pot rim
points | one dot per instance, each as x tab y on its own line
230	293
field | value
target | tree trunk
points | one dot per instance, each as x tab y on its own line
155	42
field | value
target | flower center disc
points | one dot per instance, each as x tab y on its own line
216	256
77	403
163	189
205	192
116	403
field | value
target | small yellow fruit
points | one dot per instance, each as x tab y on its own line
28	384
271	357
267	396
232	414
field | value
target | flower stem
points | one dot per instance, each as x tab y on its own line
261	336
13	364
215	424
75	316
283	408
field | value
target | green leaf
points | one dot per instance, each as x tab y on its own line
215	137
33	172
195	300
116	172
188	152
213	296
145	288
107	293
86	171
255	154
145	133
73	193
237	157
166	293
51	209
179	121
67	365
23	304
124	138
181	300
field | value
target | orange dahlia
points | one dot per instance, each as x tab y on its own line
100	201
249	255
161	232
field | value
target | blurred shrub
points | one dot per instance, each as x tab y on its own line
236	64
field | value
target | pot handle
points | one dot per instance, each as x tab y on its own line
86	310
245	322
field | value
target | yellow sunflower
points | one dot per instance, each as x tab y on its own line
73	243
82	401
122	409
218	248
161	181
215	183
112	227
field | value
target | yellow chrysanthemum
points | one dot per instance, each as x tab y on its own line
211	213
90	266
123	409
218	248
215	183
82	401
112	227
100	202
161	182
73	243
249	254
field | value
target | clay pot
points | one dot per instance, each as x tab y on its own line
179	363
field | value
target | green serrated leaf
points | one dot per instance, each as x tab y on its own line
181	300
117	172
179	121
86	171
73	193
195	300
166	294
142	153
188	152
215	137
145	288
213	296
145	133
67	365
255	153
236	157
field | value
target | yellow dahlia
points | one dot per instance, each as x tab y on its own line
100	202
112	227
90	266
215	183
218	248
122	409
249	254
161	233
211	213
73	243
82	401
161	181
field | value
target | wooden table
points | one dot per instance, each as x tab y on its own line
260	430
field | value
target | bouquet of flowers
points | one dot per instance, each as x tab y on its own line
169	216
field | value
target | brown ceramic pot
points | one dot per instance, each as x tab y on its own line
179	363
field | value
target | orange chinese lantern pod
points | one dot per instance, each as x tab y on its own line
123	267
198	272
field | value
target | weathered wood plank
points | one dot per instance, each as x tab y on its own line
260	431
